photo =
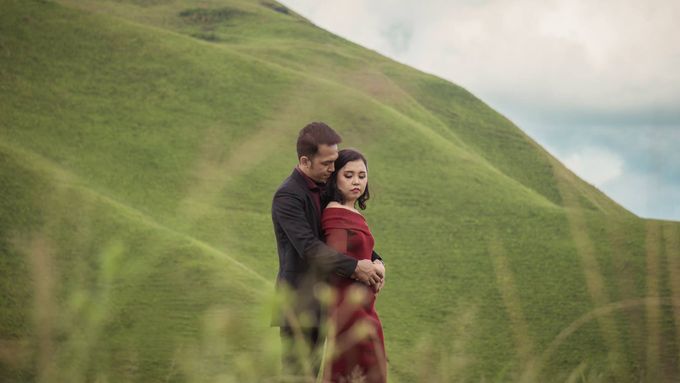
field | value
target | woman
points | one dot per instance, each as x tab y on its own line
356	342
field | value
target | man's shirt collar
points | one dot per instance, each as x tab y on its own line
311	184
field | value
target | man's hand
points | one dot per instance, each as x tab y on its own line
368	272
381	268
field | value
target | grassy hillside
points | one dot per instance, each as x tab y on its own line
141	142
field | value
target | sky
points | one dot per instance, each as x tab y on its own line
597	83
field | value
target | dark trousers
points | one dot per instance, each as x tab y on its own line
302	351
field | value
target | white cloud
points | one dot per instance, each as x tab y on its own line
604	55
595	165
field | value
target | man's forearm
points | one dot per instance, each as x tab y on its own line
328	260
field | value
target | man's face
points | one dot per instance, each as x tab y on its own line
320	167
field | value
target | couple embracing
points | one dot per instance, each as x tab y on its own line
327	264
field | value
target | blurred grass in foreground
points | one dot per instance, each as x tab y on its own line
67	332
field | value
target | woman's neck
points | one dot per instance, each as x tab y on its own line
350	204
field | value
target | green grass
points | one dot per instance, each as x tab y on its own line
141	143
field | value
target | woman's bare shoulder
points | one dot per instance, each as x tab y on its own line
334	204
338	205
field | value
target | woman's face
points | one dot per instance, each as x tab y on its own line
352	180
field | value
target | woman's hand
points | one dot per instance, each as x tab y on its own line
378	286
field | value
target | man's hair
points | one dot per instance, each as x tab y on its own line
313	135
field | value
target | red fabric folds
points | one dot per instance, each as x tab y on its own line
356	338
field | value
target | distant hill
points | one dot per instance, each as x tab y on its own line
141	142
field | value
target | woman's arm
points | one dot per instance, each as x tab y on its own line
337	239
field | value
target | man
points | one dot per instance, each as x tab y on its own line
305	261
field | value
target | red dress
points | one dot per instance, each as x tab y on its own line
356	342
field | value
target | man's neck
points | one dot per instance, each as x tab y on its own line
302	170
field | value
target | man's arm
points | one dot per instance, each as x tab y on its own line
288	210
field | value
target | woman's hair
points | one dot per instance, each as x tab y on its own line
332	193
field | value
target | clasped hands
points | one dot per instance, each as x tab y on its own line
370	273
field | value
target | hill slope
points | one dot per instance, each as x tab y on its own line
141	142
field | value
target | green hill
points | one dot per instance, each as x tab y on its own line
141	142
